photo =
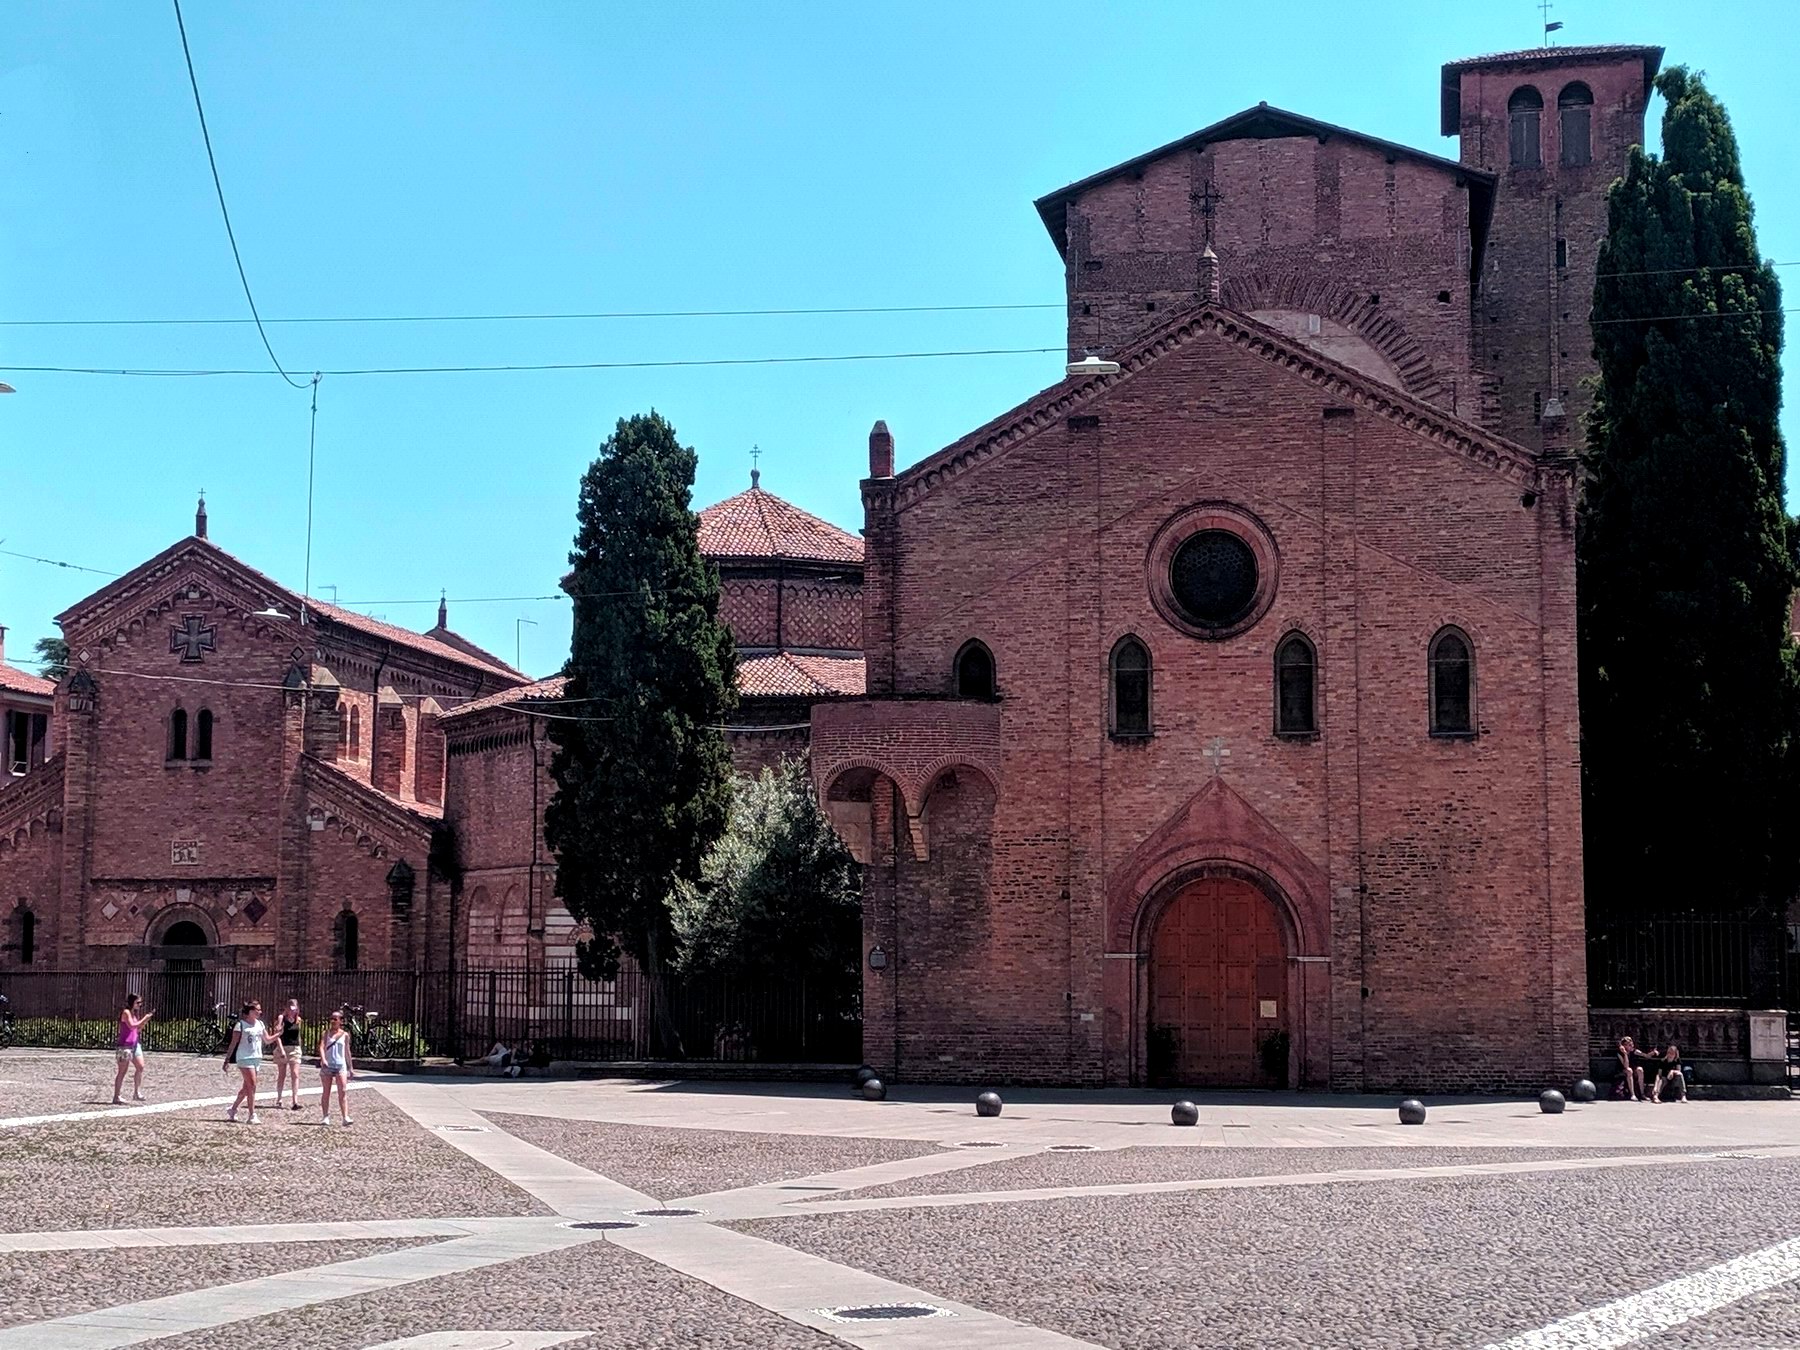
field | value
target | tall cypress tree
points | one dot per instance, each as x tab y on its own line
643	776
1688	690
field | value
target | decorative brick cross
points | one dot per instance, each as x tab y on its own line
1209	198
193	638
1217	753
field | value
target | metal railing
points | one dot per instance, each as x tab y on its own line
1690	961
459	1014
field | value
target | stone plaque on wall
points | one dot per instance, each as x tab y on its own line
184	853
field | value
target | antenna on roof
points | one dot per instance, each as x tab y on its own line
755	473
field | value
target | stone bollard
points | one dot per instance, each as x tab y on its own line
1585	1091
1412	1111
1551	1102
862	1076
1184	1113
874	1090
988	1104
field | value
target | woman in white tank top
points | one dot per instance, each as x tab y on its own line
335	1068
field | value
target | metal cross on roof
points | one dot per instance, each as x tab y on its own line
1209	198
192	638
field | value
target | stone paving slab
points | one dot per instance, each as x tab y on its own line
47	1284
1456	1262
1048	1169
195	1168
667	1163
614	1298
42	1082
1125	1118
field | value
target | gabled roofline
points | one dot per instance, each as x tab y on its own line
1263	122
1507	458
345	622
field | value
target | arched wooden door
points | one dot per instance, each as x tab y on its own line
1218	989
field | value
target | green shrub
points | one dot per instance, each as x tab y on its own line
203	1036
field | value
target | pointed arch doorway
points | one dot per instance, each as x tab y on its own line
1218	995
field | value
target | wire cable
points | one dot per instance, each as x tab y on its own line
537	318
219	188
557	365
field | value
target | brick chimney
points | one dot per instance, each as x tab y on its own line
881	451
2	642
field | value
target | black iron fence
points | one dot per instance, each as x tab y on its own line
1692	961
459	1014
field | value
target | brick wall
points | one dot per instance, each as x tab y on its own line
1376	247
1531	321
821	611
1444	879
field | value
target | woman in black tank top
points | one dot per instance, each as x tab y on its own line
287	1053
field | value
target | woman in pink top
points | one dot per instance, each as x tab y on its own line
130	1050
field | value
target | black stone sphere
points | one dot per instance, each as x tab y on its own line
1585	1091
988	1104
1412	1111
1184	1113
1551	1102
874	1090
862	1076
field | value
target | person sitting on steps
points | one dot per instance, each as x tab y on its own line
1631	1073
1669	1073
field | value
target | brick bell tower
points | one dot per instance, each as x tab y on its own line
1557	125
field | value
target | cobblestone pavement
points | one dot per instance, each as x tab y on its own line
465	1214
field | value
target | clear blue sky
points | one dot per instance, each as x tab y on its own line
413	158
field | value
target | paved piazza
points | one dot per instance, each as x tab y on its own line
461	1214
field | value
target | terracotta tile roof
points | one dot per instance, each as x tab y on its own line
539	691
758	524
462	651
1539	54
791	675
19	681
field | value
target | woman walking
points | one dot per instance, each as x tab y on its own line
248	1037
287	1053
130	1052
335	1069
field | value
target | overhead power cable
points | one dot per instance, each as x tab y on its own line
536	318
554	365
606	314
219	188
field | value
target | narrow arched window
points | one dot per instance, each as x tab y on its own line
1296	687
177	734
1452	678
1130	688
1523	111
27	938
974	671
347	940
203	729
355	733
1575	116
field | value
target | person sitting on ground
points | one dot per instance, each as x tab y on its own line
498	1056
539	1058
1669	1073
1631	1074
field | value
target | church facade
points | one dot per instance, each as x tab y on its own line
1221	723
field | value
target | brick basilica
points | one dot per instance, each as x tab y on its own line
1208	717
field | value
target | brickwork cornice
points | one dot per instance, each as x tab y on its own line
36	799
1453	435
374	821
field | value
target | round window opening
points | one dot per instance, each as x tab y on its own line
1213	578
